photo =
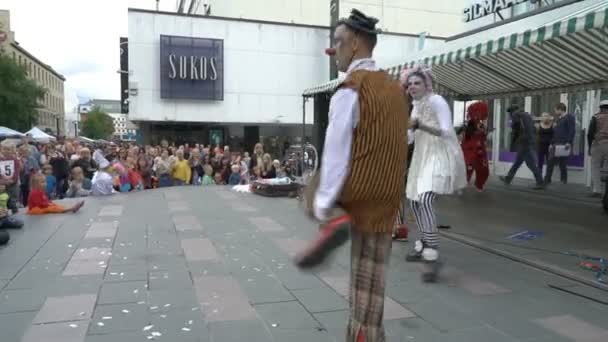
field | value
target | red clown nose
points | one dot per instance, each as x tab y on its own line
330	51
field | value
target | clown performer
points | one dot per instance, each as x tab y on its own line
437	165
363	173
474	144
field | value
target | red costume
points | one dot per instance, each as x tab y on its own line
38	204
474	144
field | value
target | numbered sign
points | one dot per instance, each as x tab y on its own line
7	168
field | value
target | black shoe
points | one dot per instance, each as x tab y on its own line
332	235
504	180
4	237
431	272
539	187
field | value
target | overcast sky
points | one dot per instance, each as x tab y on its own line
78	38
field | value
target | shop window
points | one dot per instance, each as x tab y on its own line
577	104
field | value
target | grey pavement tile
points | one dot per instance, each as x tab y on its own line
340	283
229	196
245	208
284	335
239	331
33	276
334	322
184	323
266	224
291	246
199	250
413	329
287	315
101	230
222	299
72	285
162	301
95	242
479	287
57	332
93	253
483	333
444	316
210	268
3	283
394	310
127	292
184	227
574	328
111	210
261	288
14	325
161	280
68	308
296	280
119	318
21	300
320	299
126	272
132	336
84	267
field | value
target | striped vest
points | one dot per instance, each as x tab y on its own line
375	186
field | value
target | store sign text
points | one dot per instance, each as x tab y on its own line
487	7
192	67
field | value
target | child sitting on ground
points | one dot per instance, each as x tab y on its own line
38	203
51	181
6	220
257	173
219	180
208	177
235	176
79	186
135	179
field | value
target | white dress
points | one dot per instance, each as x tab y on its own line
437	163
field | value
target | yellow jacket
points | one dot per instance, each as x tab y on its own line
182	171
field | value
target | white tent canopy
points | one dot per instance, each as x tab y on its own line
6	132
40	136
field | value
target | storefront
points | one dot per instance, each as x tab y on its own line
556	55
212	80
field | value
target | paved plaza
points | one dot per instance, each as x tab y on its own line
206	264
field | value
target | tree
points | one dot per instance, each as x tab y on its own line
19	96
98	125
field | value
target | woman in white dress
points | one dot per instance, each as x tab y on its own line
437	166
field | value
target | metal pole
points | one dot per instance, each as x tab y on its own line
303	131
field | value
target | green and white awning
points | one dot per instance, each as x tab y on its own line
566	48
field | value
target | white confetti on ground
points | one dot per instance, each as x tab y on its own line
113	273
73	325
125	311
185	329
70	246
135	291
148	327
167	305
163	316
274	325
190	322
153	307
142	302
105	318
156	334
100	324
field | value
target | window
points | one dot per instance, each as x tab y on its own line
14	56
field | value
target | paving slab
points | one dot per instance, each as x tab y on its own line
238	331
287	315
57	332
21	300
222	299
109	319
14	325
199	250
68	308
320	299
266	224
125	292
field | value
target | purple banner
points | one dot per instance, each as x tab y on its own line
573	161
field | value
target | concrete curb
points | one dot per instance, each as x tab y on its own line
535	264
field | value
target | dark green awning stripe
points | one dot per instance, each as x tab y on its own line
556	28
513	41
541	35
571	25
589	21
501	43
478	50
527	35
489	47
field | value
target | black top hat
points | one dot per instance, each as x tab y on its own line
360	22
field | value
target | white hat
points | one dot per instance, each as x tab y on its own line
100	159
604	103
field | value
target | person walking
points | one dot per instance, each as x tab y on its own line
545	136
363	170
524	144
561	144
597	137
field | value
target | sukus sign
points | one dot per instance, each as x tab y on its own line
484	8
191	68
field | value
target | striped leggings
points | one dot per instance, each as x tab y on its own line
426	220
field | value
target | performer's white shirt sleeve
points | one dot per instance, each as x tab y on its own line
343	117
444	114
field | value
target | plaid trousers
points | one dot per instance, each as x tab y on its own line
370	253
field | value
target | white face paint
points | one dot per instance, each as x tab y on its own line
416	87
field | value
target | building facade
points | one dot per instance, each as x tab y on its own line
437	17
223	80
538	55
51	114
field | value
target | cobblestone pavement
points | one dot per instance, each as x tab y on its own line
205	264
